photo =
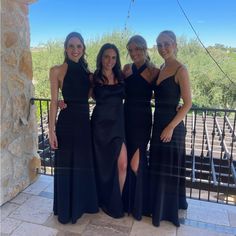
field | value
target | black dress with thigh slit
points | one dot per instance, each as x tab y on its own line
138	123
108	137
74	180
167	160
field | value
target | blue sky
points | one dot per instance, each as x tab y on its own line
213	20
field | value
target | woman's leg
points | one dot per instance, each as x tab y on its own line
135	162
122	166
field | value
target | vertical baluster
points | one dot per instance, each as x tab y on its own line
202	153
50	150
231	169
42	133
212	165
193	133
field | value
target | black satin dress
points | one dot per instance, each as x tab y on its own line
74	179
108	137
138	123
167	160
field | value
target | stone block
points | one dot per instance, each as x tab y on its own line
10	39
33	165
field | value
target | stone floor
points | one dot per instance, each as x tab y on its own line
30	214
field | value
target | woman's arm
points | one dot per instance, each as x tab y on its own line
183	80
54	85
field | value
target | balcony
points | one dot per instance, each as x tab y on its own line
30	213
210	182
210	151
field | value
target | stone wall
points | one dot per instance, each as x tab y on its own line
19	158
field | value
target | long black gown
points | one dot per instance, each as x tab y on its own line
167	160
74	180
138	123
108	137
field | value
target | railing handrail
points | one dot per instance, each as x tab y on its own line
227	154
230	127
206	170
193	108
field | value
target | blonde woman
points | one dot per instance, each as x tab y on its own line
167	149
139	77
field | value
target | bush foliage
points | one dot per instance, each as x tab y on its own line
210	87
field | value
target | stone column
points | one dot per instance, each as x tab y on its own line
19	158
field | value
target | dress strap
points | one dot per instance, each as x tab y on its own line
162	66
136	70
142	68
177	69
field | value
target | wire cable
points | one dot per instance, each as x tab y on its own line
203	44
128	16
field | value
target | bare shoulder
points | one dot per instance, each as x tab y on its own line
153	71
58	70
182	69
127	70
182	73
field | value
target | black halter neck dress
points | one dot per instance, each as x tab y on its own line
74	179
138	123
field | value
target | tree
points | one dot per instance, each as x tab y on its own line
210	87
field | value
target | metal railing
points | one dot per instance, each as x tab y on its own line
210	151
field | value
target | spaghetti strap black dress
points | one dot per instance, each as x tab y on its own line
108	137
74	179
167	160
138	123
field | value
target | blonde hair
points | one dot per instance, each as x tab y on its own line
172	36
141	43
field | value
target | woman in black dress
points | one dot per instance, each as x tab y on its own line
108	130
74	179
167	149
138	123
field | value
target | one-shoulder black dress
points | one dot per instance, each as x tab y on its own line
167	160
108	137
138	123
74	180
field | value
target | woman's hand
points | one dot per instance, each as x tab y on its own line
61	104
178	107
53	140
166	134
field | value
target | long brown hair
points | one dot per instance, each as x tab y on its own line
82	59
98	75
